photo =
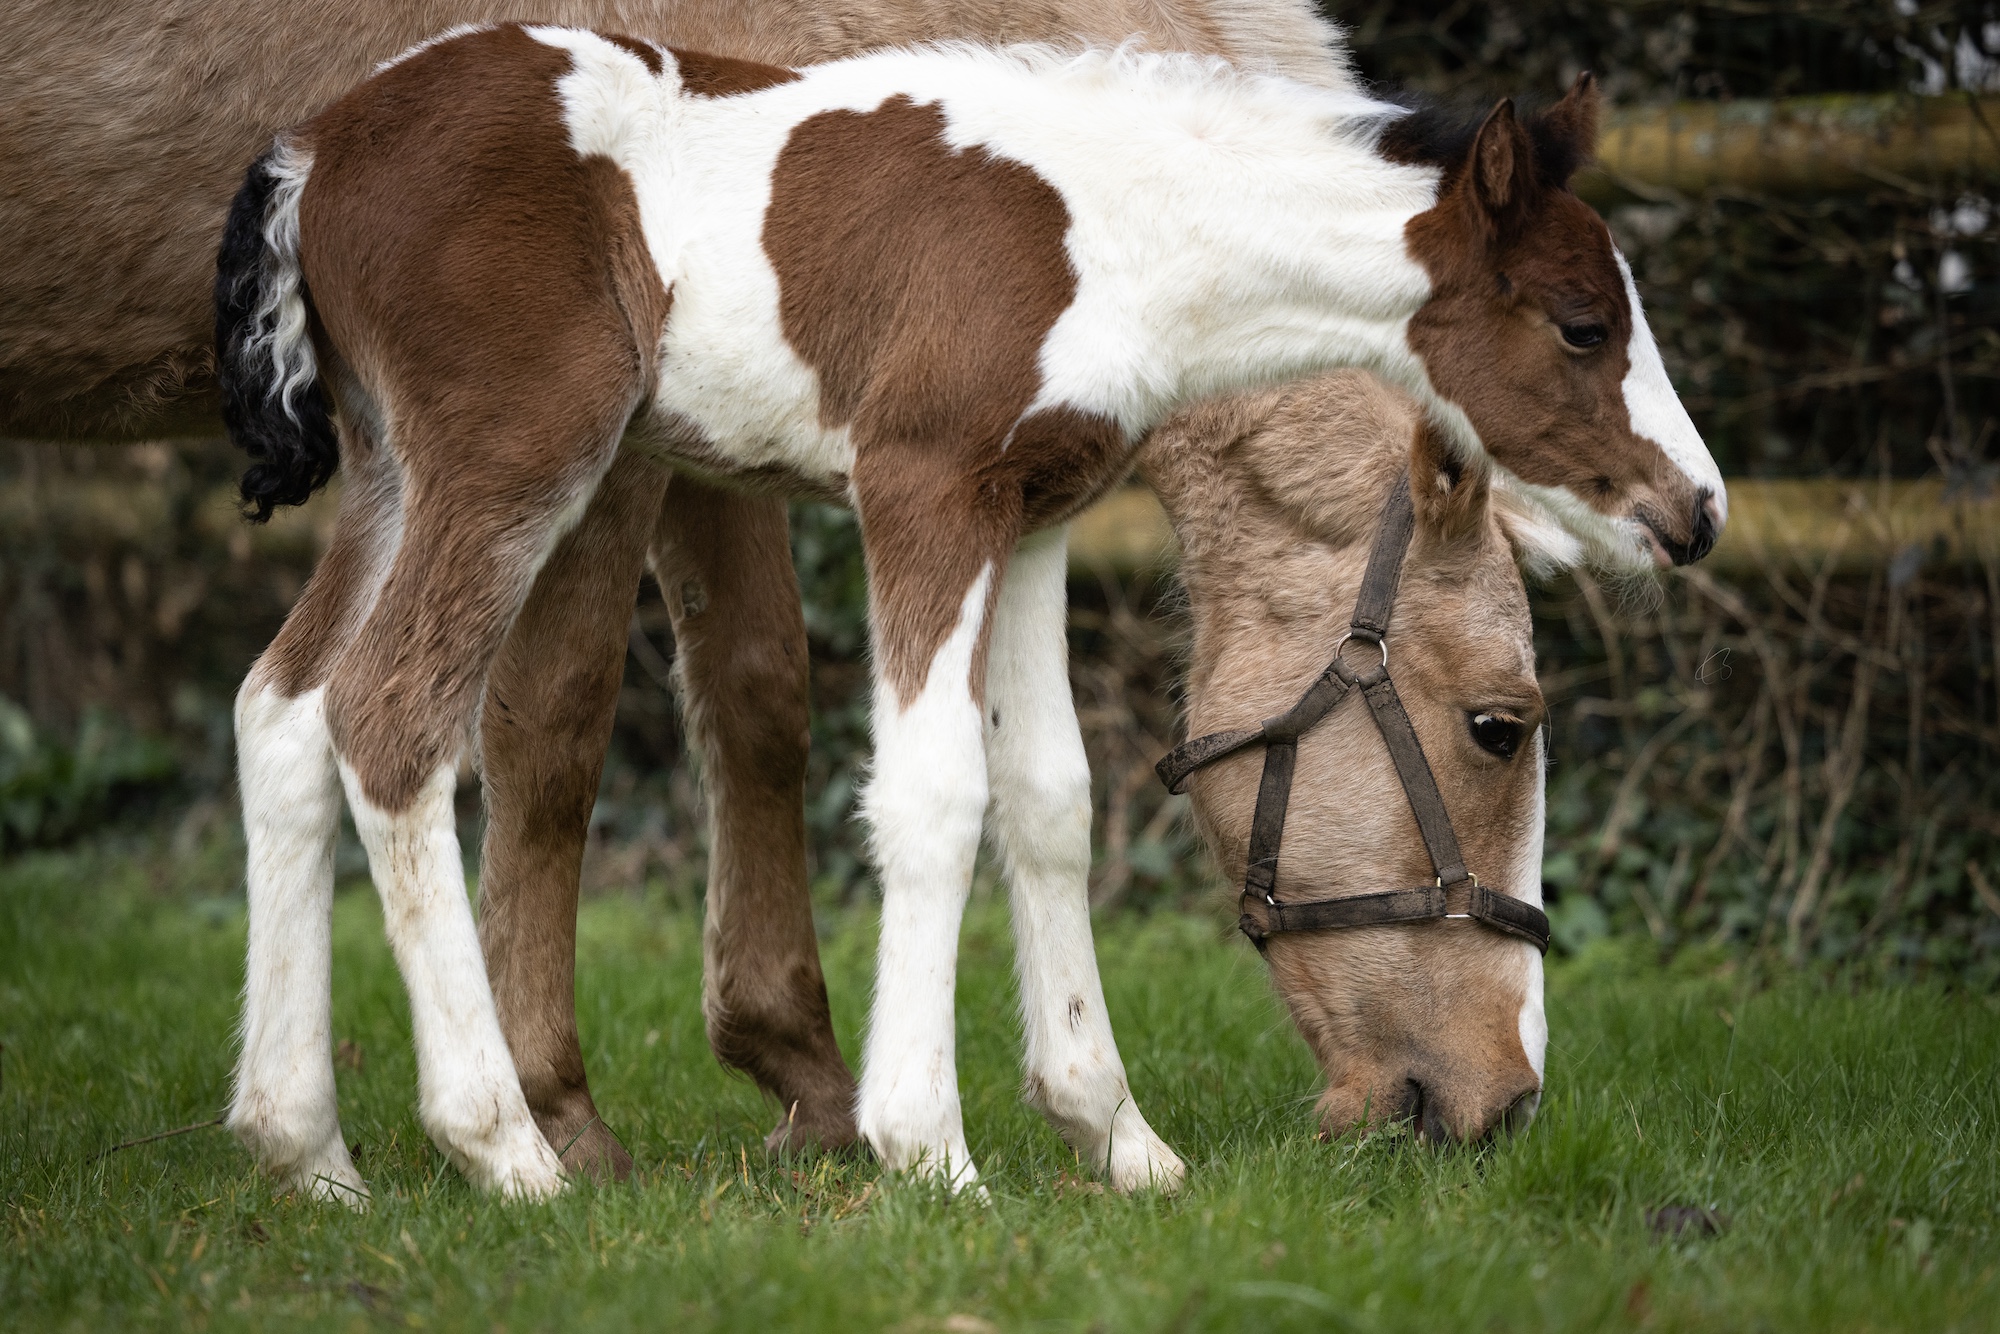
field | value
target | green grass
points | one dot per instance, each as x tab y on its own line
1851	1137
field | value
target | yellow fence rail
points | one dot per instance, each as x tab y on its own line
1798	145
1809	524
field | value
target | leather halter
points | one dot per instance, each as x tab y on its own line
1456	892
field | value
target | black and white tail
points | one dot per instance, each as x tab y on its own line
272	400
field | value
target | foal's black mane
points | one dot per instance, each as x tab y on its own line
1439	133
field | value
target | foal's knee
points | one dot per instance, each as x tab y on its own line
919	805
1041	817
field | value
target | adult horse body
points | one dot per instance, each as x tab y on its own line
129	126
955	287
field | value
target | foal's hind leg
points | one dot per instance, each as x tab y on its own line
283	1107
1040	819
546	722
479	517
725	568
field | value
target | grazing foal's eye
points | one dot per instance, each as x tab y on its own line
1497	733
1584	333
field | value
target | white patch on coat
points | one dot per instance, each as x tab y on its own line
1656	410
1541	545
470	1097
283	1107
1227	229
701	172
923	805
1039	818
1615	543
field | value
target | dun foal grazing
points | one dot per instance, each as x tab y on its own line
1277	496
953	287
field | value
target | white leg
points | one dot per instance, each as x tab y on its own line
923	804
470	1098
284	1108
1041	825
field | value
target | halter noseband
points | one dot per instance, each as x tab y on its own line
1456	892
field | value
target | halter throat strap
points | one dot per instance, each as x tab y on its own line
1455	893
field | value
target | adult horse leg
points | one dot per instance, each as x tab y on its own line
283	1107
544	727
724	565
1040	819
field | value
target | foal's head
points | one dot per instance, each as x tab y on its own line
1275	497
1535	332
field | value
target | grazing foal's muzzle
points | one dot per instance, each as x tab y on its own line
1455	892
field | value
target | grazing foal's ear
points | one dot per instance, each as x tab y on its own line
1450	494
1502	169
1566	135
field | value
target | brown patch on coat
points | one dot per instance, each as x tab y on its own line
111	220
491	294
707	75
1513	257
919	281
1274	495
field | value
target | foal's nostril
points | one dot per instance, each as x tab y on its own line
1520	1112
1425	1116
1702	530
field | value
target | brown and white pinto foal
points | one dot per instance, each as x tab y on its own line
954	287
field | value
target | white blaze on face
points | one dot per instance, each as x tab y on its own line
1534	1021
1656	409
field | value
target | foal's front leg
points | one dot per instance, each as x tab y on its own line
924	804
1040	817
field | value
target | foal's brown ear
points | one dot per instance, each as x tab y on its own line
1502	169
1450	494
1566	136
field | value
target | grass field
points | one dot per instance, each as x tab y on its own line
1851	1137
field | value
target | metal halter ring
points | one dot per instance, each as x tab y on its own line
1345	635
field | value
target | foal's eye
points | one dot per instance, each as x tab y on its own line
1497	733
1583	333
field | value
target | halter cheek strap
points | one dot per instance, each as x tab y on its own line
1455	893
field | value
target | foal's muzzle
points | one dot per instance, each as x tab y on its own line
1702	530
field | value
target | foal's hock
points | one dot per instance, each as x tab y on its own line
952	287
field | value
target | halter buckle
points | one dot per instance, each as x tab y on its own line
1471	880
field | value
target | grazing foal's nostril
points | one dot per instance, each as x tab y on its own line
1425	1116
1520	1112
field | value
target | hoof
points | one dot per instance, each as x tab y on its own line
581	1139
593	1153
813	1127
333	1183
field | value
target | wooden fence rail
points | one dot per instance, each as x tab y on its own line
1797	145
1853	525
